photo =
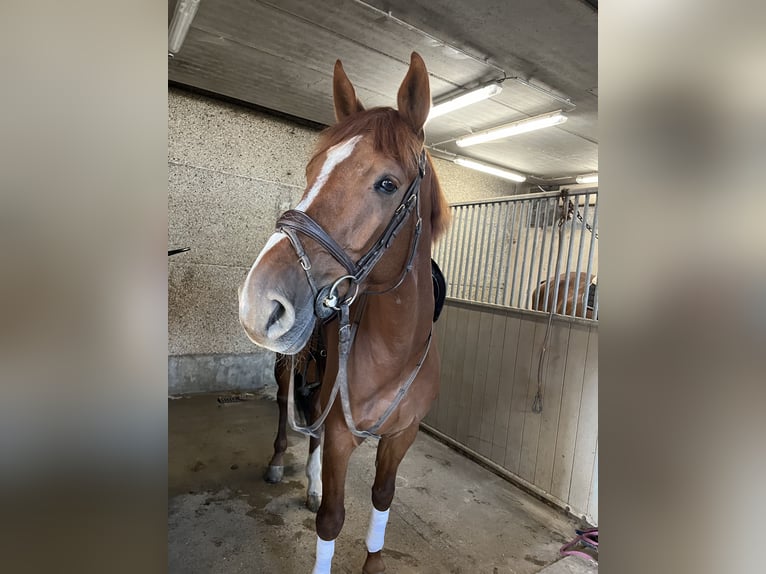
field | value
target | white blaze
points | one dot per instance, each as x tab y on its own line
273	240
244	303
335	155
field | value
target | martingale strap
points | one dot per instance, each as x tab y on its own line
346	338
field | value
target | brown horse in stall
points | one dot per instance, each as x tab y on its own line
354	257
585	294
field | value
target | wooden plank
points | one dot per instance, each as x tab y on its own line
508	366
479	379
552	391
447	365
531	432
438	332
459	354
570	411
492	385
587	431
469	367
521	380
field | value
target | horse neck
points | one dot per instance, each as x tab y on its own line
396	324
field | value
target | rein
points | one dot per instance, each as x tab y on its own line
327	302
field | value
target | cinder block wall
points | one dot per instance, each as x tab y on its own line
231	172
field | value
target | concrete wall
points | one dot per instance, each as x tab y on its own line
231	172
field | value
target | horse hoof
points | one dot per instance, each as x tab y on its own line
373	564
274	474
313	501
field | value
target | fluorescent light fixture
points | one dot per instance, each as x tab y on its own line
466	99
587	178
179	25
490	169
512	129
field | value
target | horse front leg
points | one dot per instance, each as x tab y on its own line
338	446
391	451
276	469
314	475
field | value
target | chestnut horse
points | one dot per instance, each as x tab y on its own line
585	293
354	257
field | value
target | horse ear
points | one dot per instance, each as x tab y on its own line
344	96
414	99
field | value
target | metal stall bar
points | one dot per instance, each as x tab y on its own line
469	252
492	259
590	258
470	259
496	207
508	295
559	251
554	240
460	261
507	287
450	255
454	248
449	242
569	263
527	225
478	294
500	240
475	219
595	304
580	248
528	297
546	225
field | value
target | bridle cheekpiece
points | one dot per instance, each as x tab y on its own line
326	298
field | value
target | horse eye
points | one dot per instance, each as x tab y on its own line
386	186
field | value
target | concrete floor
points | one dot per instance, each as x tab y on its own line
449	514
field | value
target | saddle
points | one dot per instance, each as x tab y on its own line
440	289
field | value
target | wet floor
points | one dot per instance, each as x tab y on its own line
449	515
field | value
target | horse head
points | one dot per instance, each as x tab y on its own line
363	188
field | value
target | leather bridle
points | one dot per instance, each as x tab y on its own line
326	298
327	301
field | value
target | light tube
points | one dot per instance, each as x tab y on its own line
490	169
588	178
514	128
467	99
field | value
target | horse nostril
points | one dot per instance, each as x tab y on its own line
277	312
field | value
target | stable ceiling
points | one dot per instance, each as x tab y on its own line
280	54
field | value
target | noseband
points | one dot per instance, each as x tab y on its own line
326	300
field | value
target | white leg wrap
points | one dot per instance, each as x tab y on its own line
377	531
325	551
314	471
